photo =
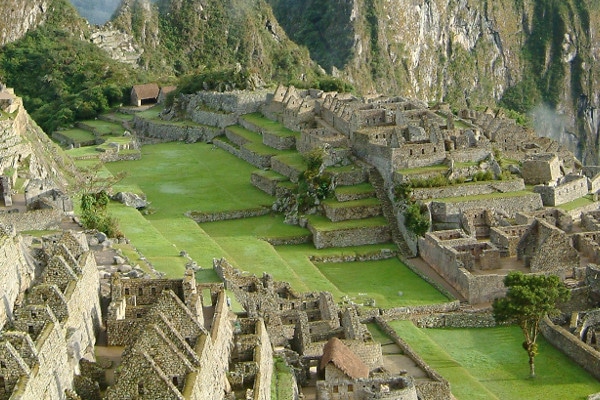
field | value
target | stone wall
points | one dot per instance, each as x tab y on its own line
55	324
545	248
450	212
469	190
16	273
459	319
201	217
475	288
170	132
264	358
566	191
336	213
285	170
350	237
238	102
578	351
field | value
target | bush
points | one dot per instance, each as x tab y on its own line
415	220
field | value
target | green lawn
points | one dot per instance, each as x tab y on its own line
484	196
78	135
489	363
179	177
421	170
580	202
355	189
103	127
271	126
324	224
389	282
85	151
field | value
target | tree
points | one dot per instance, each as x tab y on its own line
529	299
93	188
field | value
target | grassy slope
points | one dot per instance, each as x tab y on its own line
177	178
489	363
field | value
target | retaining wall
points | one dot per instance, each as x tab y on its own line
469	190
584	355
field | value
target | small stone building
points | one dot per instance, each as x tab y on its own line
145	94
347	377
539	169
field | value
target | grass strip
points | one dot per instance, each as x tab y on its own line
389	282
489	363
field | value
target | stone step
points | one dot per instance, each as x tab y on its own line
351	210
267	180
273	133
389	213
354	192
348	175
327	234
244	152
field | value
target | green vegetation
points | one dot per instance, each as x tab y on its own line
389	282
577	203
488	364
78	136
415	219
62	78
200	177
324	224
530	298
94	214
282	380
268	125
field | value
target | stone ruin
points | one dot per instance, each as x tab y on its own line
52	325
325	344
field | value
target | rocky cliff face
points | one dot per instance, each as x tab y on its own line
466	52
17	17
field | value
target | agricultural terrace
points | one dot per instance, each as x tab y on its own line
177	178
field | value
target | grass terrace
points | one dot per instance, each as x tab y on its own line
78	135
389	282
324	224
360	189
83	152
199	177
332	203
293	160
123	117
423	170
151	113
102	128
489	196
273	127
577	203
489	363
270	175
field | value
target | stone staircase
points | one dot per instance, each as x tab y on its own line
388	211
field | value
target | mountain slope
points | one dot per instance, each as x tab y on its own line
466	52
183	36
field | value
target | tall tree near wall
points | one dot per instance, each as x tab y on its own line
528	300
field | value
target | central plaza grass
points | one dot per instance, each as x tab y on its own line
389	282
177	178
490	363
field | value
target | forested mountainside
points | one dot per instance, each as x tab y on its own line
520	54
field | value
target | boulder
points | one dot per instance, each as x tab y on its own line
130	200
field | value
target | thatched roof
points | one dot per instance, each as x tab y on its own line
147	91
336	352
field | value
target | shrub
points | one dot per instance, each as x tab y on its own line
415	220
